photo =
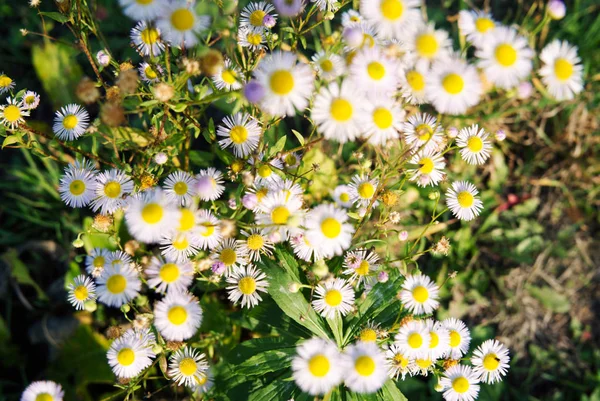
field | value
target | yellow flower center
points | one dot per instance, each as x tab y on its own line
70	121
149	36
11	113
376	70
465	199
475	144
30	99
112	189
318	365
363	268
423	363
424	132
187	366
182	19
257	17
181	243
228	76
254	39
326	65
152	213
420	294
401	360
5	81
368	335
383	118
180	188
331	228
177	315
460	385
77	187
280	215
391	9
264	171
415	340
427	45
81	292
368	40
126	356
255	242
344	197
144	2
98	261
247	285
435	339
150	73
426	165
341	110
282	82
228	256
453	83
238	134
210	229
200	380
454	338
415	80
506	55
563	69
187	220
366	190
484	24
333	298
169	272
44	397
491	362
116	284
364	365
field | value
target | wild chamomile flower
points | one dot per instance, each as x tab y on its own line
289	188
462	201
398	363
209	184
291	160
30	100
82	289
453	86
460	384
363	189
230	253
304	249
97	259
12	113
474	144
326	5
228	77
129	355
477	26
6	83
139	10
77	185
328	229
562	71
167	275
439	345
43	391
373	72
428	43
187	366
242	132
413	82
150	214
179	23
179	187
490	361
382	120
256	244
244	283
419	294
351	18
328	66
365	367
359	264
333	298
70	122
316	366
209	233
337	112
253	15
203	384
117	285
118	258
505	57
431	166
341	196
422	131
265	169
281	213
146	39
287	84
179	246
460	338
424	365
359	36
189	220
413	339
177	316
253	40
111	187
150	73
393	19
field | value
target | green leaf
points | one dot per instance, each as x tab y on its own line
299	137
9	140
20	272
551	299
390	391
337	327
55	16
278	147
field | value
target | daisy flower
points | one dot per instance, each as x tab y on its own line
289	8
6	83
251	39
359	264
476	26
413	82
428	43
337	112
562	71
505	57
209	235
179	187
82	289
169	275
328	66
178	246
256	244
341	196
327	227
439	345
43	391
188	220
150	214
253	15
398	363
413	339
430	171
30	100
394	19
139	10
460	384
474	144
129	355
146	39
245	283
179	23
228	77
462	201
460	338
177	316
369	333
490	361
111	187
150	73
359	36
230	253
351	18
70	122
242	132
316	366
419	294
77	185
373	72
422	131
265	170
118	258
289	188
280	213
117	285
187	366
382	120
326	5
97	259
203	384
363	189
12	113
287	84
453	86
365	367
209	184
303	248
334	298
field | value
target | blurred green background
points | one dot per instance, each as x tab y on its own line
527	268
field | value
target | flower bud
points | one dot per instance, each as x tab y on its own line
90	305
269	21
125	308
103	58
452	132
294	287
403	235
320	269
160	158
249	201
557	9
500	135
353	36
524	90
254	92
78	243
383	276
